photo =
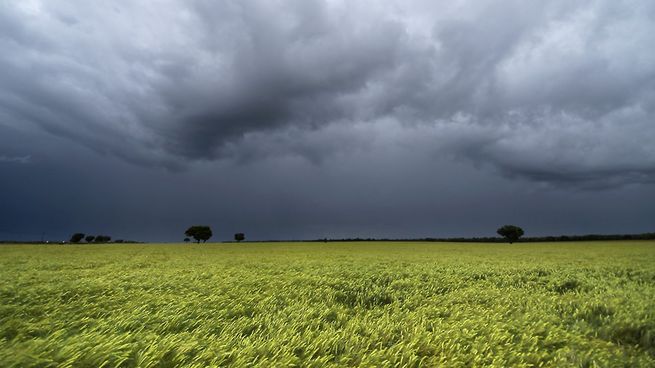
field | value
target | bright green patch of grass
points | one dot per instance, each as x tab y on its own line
335	304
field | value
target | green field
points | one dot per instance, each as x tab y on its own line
335	304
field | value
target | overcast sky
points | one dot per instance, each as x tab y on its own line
308	119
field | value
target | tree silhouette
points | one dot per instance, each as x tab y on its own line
77	237
199	233
102	239
510	232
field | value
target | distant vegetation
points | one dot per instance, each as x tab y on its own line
510	232
102	239
206	234
329	305
560	238
77	238
199	232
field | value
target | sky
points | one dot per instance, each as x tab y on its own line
305	119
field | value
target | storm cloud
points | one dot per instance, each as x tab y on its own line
559	93
560	90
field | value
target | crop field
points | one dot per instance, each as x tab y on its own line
386	304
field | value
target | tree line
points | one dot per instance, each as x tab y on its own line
204	233
78	237
491	239
508	233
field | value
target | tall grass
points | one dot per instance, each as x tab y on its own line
322	305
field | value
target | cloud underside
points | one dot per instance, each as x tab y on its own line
557	92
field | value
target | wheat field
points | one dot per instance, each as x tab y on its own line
377	304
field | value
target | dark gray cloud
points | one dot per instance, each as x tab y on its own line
375	97
560	91
398	191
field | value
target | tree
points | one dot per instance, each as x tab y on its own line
239	237
199	233
186	240
102	239
510	232
77	237
89	238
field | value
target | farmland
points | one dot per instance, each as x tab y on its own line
387	304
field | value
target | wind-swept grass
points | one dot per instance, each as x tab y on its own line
335	304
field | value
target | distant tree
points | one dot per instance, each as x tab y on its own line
186	240
102	239
77	237
510	232
239	237
89	238
199	233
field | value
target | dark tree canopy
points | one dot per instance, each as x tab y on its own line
199	233
77	237
510	232
89	238
239	236
186	240
102	239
